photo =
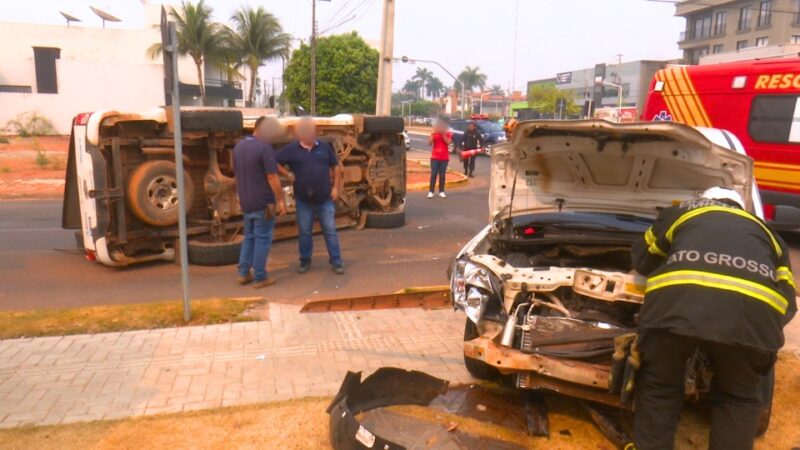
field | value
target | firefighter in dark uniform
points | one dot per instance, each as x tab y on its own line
719	280
472	140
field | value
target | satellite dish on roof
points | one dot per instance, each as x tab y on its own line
69	17
104	16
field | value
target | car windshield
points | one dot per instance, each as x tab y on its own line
490	127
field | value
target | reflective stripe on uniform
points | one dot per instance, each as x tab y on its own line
653	248
784	274
706	209
719	281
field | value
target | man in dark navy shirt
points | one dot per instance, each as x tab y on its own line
317	174
261	199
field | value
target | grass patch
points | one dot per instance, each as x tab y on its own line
5	169
4	140
303	424
111	318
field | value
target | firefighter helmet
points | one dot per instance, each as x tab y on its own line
723	193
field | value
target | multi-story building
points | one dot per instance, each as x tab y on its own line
633	76
59	71
719	26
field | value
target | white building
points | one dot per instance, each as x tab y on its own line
60	71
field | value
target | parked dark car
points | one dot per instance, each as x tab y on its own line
492	133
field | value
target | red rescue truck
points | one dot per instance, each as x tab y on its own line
759	102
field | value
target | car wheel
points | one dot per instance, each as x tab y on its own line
152	193
451	147
477	368
207	252
384	125
767	389
487	151
391	219
212	120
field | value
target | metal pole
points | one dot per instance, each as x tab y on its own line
383	101
313	57
178	138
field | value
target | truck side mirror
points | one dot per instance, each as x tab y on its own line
786	218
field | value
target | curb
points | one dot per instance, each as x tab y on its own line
460	180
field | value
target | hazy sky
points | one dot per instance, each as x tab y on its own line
552	35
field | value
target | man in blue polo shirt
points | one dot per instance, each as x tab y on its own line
317	174
261	199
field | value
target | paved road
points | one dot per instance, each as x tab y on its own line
40	268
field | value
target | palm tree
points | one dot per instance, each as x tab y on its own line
472	78
259	38
496	89
422	76
412	87
198	36
434	87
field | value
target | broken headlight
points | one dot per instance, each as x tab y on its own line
472	288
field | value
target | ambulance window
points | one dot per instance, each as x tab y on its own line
775	118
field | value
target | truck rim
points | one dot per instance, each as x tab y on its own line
163	192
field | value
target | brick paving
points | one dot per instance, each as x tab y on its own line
54	380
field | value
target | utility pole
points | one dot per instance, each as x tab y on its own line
313	57
383	103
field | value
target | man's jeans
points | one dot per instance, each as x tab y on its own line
325	212
256	245
438	170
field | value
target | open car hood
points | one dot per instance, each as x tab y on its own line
599	166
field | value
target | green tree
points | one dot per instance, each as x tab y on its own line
472	78
412	87
434	87
496	89
421	77
259	39
544	98
198	36
347	77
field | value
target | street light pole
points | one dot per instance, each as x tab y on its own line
313	87
406	59
383	103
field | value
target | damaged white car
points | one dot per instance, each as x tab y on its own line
548	285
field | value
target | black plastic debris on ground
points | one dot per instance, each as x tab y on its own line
388	430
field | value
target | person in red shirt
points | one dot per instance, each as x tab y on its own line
439	141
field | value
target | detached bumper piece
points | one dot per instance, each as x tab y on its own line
388	386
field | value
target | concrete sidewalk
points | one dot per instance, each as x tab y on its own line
66	379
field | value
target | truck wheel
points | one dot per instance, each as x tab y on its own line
391	219
212	120
383	125
767	389
152	193
206	252
477	368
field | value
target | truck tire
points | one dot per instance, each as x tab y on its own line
391	219
212	120
383	125
767	390
152	193
207	253
477	368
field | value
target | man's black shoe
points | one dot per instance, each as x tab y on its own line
304	267
339	269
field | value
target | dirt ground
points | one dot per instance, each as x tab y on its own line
304	425
32	167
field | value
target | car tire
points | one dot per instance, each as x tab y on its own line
384	125
451	147
477	368
205	253
391	219
151	193
212	120
488	151
767	390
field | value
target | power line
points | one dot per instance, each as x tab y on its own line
338	11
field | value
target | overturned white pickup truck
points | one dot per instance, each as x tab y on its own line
121	190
